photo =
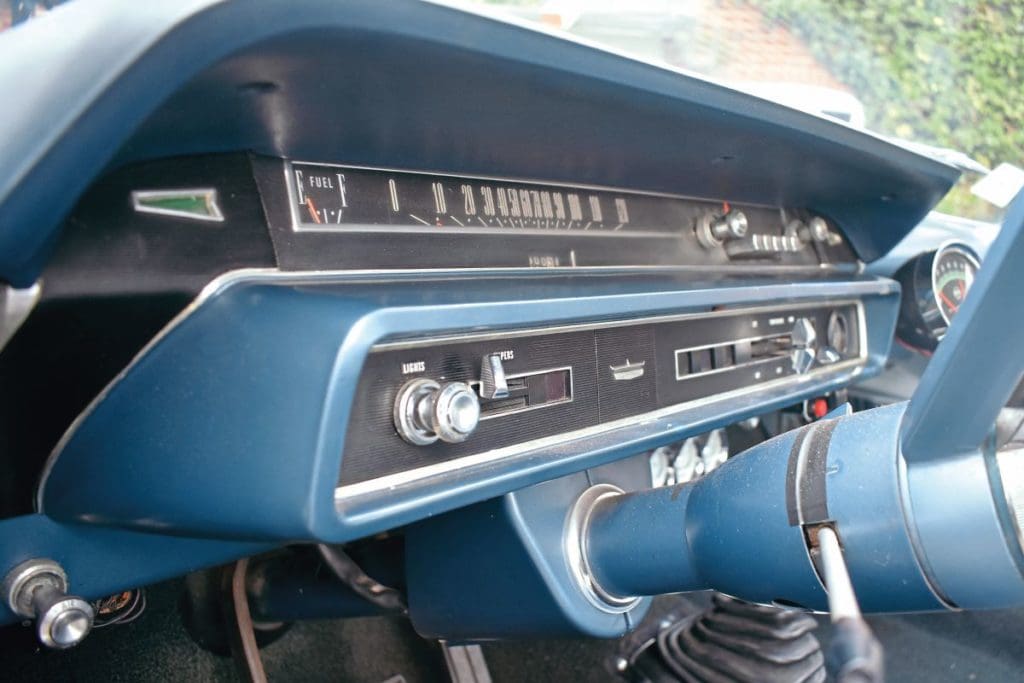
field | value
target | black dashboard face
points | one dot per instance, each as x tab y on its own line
328	216
588	377
326	198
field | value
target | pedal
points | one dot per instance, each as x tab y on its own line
466	663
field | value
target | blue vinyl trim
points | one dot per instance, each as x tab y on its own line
865	499
964	541
508	553
232	423
101	562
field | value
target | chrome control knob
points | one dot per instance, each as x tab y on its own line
805	345
37	589
712	230
456	412
426	411
818	230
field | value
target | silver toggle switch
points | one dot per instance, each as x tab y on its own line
492	378
37	589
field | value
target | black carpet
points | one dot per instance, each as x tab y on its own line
977	647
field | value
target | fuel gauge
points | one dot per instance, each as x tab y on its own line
321	194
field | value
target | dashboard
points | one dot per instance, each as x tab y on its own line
348	303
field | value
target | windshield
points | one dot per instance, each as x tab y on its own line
945	73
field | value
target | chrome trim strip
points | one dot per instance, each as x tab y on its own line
401	345
680	376
364	493
574	547
15	305
274	275
520	375
359	498
209	194
719	371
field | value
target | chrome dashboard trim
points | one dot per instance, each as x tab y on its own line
275	275
361	497
574	547
687	349
519	375
15	305
404	344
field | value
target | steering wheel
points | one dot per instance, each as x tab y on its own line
909	507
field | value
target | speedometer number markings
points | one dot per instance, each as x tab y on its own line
953	272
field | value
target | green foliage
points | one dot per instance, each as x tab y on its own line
942	72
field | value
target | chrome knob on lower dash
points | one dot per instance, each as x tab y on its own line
38	589
426	410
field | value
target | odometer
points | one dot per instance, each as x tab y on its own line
953	272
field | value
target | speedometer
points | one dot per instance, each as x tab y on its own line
935	286
953	271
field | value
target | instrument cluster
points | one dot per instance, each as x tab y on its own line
333	216
935	285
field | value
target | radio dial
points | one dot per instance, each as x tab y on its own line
426	411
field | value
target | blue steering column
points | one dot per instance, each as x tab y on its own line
923	505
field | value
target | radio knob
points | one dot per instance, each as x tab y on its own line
818	230
805	345
712	230
426	411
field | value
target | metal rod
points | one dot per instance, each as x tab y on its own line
842	602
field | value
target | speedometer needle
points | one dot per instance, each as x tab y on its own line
948	302
312	209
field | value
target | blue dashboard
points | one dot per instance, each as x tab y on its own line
196	383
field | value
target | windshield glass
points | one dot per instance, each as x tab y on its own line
945	73
942	73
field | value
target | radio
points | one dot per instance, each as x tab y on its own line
422	402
